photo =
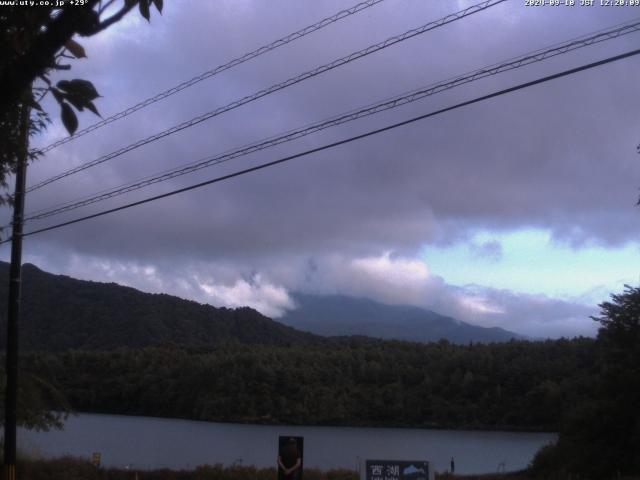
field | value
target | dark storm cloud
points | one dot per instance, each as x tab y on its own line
559	156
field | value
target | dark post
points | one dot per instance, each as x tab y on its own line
15	270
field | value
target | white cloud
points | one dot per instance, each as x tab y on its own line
265	285
271	300
479	305
396	271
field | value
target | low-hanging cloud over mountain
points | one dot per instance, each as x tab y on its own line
558	157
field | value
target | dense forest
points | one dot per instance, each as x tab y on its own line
515	385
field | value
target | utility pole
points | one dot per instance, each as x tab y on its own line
15	283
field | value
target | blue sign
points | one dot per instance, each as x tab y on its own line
396	470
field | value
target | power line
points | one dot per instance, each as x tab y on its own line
279	86
340	142
219	69
523	60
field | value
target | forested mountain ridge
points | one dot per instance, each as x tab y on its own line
332	315
60	313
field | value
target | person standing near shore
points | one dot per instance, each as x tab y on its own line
453	465
289	461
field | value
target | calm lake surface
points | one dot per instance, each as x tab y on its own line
144	443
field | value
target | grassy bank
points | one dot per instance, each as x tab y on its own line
80	469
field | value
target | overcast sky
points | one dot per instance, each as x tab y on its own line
517	212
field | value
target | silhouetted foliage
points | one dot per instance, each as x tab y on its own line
41	405
37	40
600	437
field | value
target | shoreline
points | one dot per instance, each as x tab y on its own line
258	422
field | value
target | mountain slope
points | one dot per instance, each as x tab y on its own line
60	312
340	315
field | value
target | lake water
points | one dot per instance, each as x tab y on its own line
144	443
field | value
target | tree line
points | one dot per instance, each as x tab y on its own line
515	385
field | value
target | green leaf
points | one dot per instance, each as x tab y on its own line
69	118
83	89
75	48
158	4
144	9
79	93
93	108
76	101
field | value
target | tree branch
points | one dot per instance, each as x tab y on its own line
105	6
116	17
